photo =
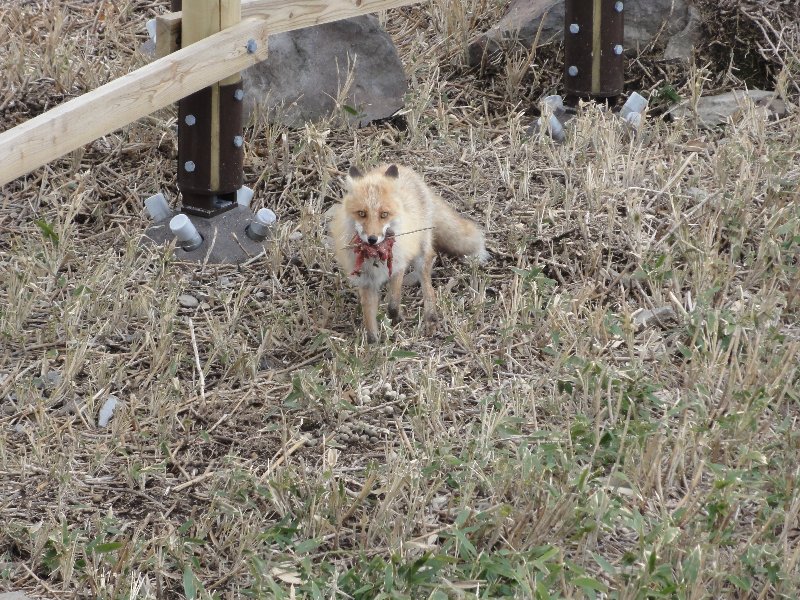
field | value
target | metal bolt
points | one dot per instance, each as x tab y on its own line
238	141
190	120
252	46
189	166
618	49
618	6
239	95
573	70
574	28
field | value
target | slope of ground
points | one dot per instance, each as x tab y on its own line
608	409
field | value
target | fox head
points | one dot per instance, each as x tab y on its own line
370	202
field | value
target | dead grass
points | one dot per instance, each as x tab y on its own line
544	443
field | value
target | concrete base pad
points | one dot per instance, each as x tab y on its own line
224	238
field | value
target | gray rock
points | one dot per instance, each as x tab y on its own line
644	20
307	68
682	44
712	111
658	316
14	596
188	301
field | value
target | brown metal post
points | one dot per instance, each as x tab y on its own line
210	122
593	44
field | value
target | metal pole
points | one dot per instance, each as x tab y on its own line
593	45
210	122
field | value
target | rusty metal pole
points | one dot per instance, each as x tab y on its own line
210	122
593	45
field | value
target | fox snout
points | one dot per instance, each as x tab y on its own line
371	235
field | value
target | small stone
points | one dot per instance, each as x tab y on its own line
659	316
311	441
364	438
439	502
14	596
224	281
374	439
366	398
402	397
295	236
387	387
52	379
388	410
204	306
188	301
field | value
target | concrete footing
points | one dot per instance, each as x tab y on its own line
225	239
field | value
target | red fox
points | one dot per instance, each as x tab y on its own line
387	220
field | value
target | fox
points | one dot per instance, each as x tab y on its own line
387	220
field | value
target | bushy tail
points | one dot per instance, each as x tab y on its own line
456	235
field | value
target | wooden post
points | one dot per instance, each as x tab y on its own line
593	45
210	141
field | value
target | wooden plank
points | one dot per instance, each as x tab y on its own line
285	15
230	13
121	101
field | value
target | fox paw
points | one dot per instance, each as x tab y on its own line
394	315
372	338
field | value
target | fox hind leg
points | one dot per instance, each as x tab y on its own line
428	293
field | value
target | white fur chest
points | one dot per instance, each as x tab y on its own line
374	273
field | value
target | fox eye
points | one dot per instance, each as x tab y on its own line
384	214
362	213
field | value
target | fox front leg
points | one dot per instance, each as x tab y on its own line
395	289
369	308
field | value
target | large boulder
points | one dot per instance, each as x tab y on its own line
646	21
307	68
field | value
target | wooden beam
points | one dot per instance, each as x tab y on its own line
72	124
286	15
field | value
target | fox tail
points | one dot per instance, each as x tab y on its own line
456	235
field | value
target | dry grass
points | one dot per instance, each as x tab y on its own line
541	444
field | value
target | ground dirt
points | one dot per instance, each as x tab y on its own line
549	439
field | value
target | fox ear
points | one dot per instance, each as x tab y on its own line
392	172
352	173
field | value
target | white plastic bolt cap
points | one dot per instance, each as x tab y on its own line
265	216
618	6
190	120
554	102
636	103
189	166
573	70
243	196
574	28
634	118
183	229
157	207
618	49
556	129
151	29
